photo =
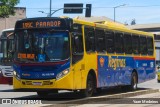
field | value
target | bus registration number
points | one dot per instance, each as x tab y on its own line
37	83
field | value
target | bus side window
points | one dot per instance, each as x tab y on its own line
128	43
119	47
100	39
143	45
90	39
110	42
150	45
135	44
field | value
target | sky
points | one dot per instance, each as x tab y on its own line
143	11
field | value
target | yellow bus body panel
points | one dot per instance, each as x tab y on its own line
65	82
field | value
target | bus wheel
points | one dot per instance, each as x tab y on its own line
99	90
89	88
134	81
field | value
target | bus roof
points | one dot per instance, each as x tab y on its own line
96	22
7	29
109	25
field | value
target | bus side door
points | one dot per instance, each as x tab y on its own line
77	62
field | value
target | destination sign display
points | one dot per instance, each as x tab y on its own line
43	23
39	24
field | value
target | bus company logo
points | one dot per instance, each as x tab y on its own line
101	60
115	63
26	74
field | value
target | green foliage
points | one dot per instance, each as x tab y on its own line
7	7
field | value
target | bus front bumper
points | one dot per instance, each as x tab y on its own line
63	83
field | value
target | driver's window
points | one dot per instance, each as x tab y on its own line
77	43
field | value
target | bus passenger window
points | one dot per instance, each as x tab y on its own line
150	45
119	47
90	39
100	38
110	42
128	43
135	44
143	45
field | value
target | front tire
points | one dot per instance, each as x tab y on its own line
90	87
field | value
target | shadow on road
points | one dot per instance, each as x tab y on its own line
8	90
67	96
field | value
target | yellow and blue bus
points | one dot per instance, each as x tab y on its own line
62	53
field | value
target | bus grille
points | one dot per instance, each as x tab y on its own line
46	83
30	83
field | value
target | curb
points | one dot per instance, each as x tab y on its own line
91	100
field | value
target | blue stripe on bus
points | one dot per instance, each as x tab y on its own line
116	70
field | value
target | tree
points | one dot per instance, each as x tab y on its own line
7	7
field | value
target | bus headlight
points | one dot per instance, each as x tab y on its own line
16	75
61	74
1	73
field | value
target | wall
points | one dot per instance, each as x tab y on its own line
6	23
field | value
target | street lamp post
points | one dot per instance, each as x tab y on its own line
50	14
50	8
115	10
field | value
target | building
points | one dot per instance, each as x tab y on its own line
153	28
5	23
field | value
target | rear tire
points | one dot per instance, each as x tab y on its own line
99	90
90	87
134	81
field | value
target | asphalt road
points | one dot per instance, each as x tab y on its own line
152	84
6	91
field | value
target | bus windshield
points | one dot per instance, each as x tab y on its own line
7	44
52	45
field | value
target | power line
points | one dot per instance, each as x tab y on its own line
145	6
104	7
131	6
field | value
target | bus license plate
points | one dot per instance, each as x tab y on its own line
37	83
